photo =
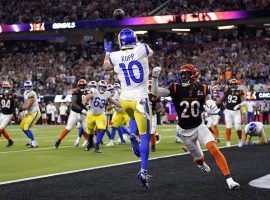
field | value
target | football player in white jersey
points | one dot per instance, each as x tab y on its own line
33	113
97	98
254	129
132	67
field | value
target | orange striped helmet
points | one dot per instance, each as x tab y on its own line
81	83
233	83
5	85
189	75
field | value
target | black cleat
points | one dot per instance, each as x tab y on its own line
57	143
97	149
28	144
10	143
89	147
153	148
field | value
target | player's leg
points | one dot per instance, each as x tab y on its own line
153	132
263	138
229	122
72	121
215	125
101	126
90	129
143	116
31	120
237	125
206	138
5	120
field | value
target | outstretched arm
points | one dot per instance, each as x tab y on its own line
107	65
162	92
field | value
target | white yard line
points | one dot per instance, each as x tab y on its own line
33	149
93	168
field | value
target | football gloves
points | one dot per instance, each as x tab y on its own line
108	46
213	109
156	71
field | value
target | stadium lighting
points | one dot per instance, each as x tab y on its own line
181	29
226	27
140	32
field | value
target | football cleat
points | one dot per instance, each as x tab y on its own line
10	143
232	184
110	143
77	142
240	143
158	138
135	146
144	178
33	144
204	167
89	146
85	143
97	150
57	143
153	148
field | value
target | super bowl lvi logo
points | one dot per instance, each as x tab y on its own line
251	95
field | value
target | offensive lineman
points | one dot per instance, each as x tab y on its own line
188	99
78	110
8	104
131	65
97	99
33	113
234	99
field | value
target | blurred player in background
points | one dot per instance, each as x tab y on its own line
213	120
131	65
97	99
8	101
78	111
43	113
188	99
153	101
33	113
234	99
254	129
91	85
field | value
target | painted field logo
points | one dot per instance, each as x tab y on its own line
263	182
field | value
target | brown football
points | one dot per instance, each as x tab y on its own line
118	14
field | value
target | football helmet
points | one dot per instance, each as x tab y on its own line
189	75
110	88
117	86
28	86
81	84
252	128
127	39
233	84
102	86
6	87
92	84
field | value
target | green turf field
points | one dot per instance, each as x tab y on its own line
18	161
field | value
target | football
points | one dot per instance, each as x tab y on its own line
118	14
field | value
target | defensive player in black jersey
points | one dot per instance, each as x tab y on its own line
78	110
7	99
188	99
234	99
154	100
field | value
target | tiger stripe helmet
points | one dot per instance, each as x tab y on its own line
189	75
81	83
233	83
5	85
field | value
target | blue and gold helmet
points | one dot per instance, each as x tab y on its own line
117	86
102	86
110	88
28	86
127	38
92	84
252	128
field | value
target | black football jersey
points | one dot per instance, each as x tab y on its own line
233	98
154	100
7	103
77	97
188	105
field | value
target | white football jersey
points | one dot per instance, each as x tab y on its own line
34	107
132	68
258	129
99	101
116	97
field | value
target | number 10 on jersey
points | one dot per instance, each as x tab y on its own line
129	73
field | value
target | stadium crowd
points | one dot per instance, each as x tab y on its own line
55	67
69	10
